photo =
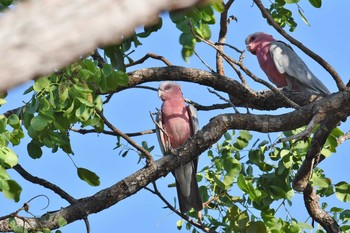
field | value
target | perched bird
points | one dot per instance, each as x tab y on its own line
282	65
178	122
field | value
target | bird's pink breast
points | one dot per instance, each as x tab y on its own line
176	123
268	66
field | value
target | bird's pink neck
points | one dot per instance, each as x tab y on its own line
175	104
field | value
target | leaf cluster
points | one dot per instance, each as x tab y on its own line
247	190
194	21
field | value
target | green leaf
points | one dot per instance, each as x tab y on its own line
2	101
342	191
107	70
179	224
13	120
303	17
177	16
218	5
85	102
256	227
88	176
34	149
316	3
123	78
13	190
345	215
41	83
6	2
8	158
61	221
203	31
291	1
39	123
3	174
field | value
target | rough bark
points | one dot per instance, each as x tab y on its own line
240	96
38	37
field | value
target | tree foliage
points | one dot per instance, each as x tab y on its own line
249	182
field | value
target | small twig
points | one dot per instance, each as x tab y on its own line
25	207
97	57
231	47
304	134
207	108
183	216
150	55
224	99
211	69
313	55
86	131
149	157
222	37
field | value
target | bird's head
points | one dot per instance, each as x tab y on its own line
169	89
257	39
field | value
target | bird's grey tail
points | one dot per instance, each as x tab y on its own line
192	201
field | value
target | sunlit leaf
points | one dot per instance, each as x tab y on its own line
61	221
291	1
13	190
8	157
342	191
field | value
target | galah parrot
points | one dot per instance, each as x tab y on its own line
282	65
179	122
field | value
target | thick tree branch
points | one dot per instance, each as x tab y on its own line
240	96
311	200
41	36
313	55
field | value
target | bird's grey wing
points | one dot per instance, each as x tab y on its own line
288	62
160	133
194	118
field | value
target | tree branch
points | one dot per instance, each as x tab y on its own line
41	36
183	216
222	38
240	96
149	157
147	56
86	131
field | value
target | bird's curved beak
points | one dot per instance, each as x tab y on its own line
160	92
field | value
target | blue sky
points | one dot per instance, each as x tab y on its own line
129	111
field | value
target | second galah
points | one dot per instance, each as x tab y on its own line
177	123
282	65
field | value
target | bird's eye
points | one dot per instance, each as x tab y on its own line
252	38
167	87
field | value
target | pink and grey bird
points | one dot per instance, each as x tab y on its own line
282	65
179	123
